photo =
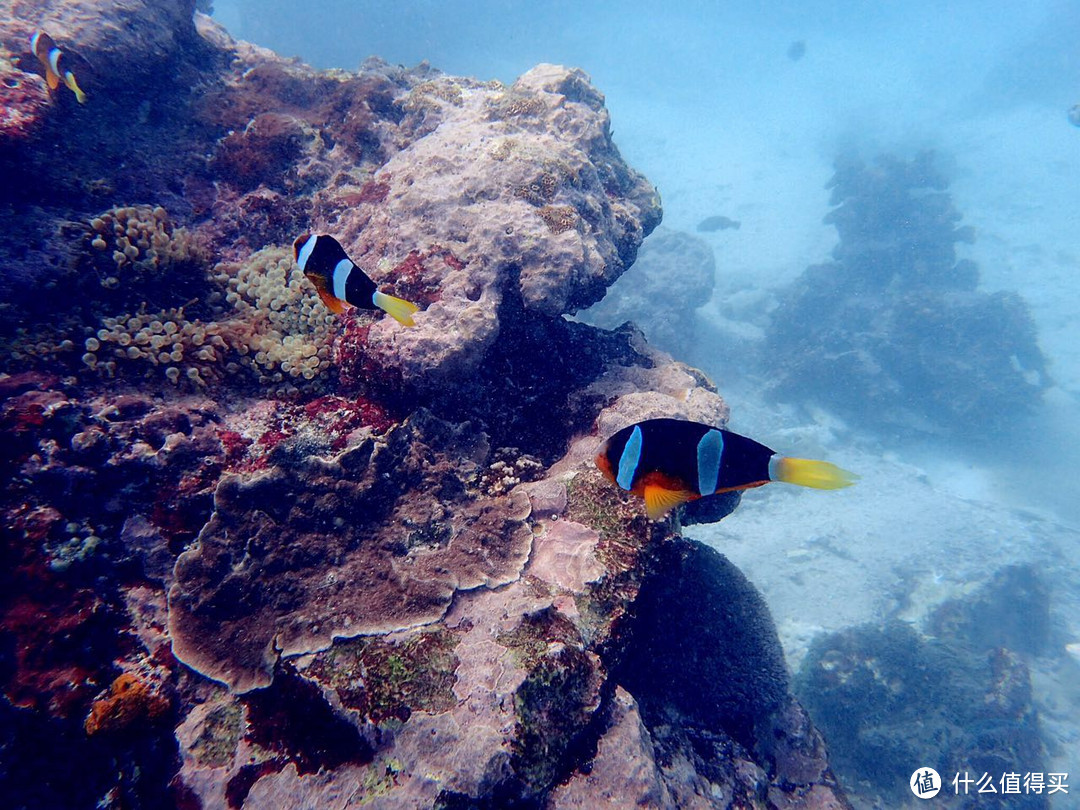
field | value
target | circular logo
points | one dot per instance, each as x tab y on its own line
925	783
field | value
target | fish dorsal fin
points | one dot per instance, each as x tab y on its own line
335	305
661	500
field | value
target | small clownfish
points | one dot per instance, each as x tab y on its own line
340	283
670	461
55	64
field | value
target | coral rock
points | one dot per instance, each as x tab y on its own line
526	189
130	700
257	582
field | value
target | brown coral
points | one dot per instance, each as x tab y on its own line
263	153
515	103
377	539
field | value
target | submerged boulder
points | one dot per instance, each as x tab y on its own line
671	279
889	701
894	331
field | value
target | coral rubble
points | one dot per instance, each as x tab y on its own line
258	555
894	331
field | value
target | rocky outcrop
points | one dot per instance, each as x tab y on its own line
886	696
894	331
255	555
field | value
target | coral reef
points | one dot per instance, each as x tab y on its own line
523	187
885	698
256	555
714	698
894	331
671	279
1012	610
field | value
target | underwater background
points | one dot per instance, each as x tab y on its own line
750	113
309	561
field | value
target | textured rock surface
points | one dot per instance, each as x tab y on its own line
254	556
377	539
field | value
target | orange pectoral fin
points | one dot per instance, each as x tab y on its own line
51	79
604	466
334	304
660	500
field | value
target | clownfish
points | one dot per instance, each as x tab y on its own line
340	283
55	64
670	461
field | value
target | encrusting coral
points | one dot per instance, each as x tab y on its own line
130	700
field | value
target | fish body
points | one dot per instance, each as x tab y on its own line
55	63
671	461
340	283
718	223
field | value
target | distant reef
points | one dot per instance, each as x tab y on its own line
256	555
894	332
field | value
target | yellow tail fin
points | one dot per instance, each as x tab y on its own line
808	473
73	86
397	308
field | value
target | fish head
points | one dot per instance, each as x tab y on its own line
298	244
603	463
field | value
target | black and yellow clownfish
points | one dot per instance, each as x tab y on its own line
670	461
340	283
55	63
